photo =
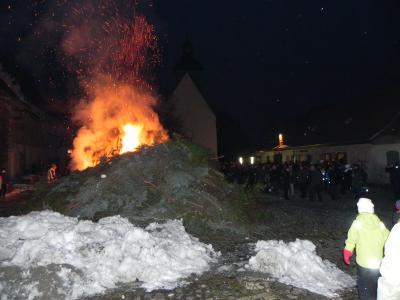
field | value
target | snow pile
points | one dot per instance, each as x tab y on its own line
59	257
297	264
389	283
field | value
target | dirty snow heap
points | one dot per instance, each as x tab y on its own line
47	255
296	263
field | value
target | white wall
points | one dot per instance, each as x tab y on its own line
192	111
378	161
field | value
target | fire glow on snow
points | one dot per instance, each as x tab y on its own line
297	264
84	258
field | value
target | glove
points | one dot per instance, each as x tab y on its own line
346	256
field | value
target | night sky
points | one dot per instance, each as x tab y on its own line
264	61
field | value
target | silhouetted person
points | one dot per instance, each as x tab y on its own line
285	179
275	178
51	173
316	184
3	183
359	180
303	180
334	180
394	173
347	178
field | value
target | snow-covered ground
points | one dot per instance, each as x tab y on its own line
48	255
51	256
296	263
324	224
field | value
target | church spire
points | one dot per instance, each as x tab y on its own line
188	63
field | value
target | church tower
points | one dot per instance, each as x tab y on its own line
190	109
188	64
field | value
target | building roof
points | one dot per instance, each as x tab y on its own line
5	90
189	66
14	98
356	122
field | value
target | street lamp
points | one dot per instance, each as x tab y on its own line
280	137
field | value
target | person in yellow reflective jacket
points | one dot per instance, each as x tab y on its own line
367	236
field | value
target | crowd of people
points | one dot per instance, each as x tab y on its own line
376	249
377	263
310	180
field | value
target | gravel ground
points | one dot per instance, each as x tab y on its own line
324	223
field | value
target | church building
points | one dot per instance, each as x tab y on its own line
194	116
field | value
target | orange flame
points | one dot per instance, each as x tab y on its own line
131	139
118	120
113	53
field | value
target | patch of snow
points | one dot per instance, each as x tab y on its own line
65	258
225	268
296	263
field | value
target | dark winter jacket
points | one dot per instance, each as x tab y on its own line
316	178
4	179
303	176
359	178
347	177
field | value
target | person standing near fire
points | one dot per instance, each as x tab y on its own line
396	213
316	183
394	173
51	173
3	183
367	236
389	282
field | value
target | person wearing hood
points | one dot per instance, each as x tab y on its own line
3	183
367	236
389	283
396	213
347	178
